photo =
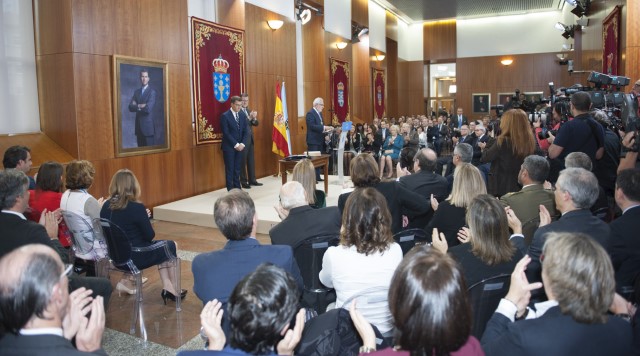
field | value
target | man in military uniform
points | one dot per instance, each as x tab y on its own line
525	203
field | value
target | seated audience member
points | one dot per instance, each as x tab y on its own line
390	151
305	173
624	247
370	143
398	198
481	139
47	196
449	216
426	183
19	157
216	273
17	231
410	137
486	250
430	308
352	146
300	220
367	255
462	153
576	190
525	203
507	152
578	279
125	210
261	307
38	316
600	207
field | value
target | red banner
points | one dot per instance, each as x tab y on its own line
379	99
341	110
611	42
218	74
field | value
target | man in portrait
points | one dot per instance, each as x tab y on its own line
142	103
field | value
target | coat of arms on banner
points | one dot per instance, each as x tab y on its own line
221	80
379	94
341	94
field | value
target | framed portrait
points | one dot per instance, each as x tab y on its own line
141	106
481	103
504	98
533	97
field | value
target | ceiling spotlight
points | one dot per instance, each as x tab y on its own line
560	26
567	47
358	32
571	2
303	11
304	16
568	31
363	32
581	7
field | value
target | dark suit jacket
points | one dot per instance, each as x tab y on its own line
216	273
424	183
574	221
470	139
17	232
315	127
144	116
250	125
398	199
556	334
231	134
624	246
304	222
35	345
448	219
455	123
477	152
475	270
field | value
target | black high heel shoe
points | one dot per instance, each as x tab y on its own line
168	295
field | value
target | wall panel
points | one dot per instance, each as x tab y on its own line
392	78
360	12
439	40
410	87
93	29
53	30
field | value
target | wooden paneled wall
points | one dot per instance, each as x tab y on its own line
590	38
392	78
410	87
439	38
528	72
75	42
632	62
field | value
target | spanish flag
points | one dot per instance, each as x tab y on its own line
280	134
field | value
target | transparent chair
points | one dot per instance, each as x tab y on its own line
88	244
120	251
408	238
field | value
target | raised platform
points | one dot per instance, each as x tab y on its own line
198	210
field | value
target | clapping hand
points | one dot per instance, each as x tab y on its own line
438	241
514	222
434	203
545	217
464	235
292	336
77	308
89	334
363	327
520	289
211	321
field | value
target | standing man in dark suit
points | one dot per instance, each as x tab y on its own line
248	169
625	245
216	273
458	120
36	303
234	138
316	129
142	103
425	182
481	141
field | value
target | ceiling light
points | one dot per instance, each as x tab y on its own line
560	26
304	15
357	33
506	62
341	45
571	2
275	24
363	32
453	89
568	31
380	57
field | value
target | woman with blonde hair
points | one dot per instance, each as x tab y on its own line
125	210
507	152
449	215
304	173
489	252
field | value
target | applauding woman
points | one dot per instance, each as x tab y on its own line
125	210
391	150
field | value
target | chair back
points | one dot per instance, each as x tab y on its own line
88	242
485	297
117	243
408	238
374	305
529	229
308	254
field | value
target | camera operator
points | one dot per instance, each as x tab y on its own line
582	134
605	168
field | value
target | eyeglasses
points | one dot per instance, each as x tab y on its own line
67	270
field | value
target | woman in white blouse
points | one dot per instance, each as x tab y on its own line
366	257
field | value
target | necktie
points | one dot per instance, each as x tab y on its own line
235	116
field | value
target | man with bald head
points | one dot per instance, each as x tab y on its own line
38	316
426	183
300	221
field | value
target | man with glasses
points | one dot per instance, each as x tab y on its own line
38	314
316	129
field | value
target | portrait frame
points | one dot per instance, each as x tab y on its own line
533	96
481	103
504	98
130	122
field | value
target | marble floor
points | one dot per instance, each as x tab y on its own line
168	331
